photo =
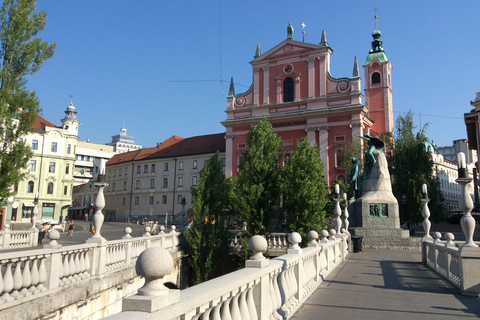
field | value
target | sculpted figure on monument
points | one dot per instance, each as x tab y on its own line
353	176
373	145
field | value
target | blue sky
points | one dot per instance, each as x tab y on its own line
163	68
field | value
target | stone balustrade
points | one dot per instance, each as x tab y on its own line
18	239
458	262
264	289
33	274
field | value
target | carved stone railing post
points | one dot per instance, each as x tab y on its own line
337	210
466	204
154	264
294	238
98	216
345	215
426	214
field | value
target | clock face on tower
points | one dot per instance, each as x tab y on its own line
288	68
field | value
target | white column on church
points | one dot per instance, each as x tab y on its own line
266	87
323	76
311	77
279	90
228	155
323	145
297	88
311	134
256	80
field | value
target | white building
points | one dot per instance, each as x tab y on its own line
151	182
122	143
460	145
88	159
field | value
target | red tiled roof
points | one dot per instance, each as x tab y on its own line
78	188
123	157
192	146
38	123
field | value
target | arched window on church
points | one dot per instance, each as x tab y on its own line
288	90
375	77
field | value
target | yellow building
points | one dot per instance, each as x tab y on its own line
50	171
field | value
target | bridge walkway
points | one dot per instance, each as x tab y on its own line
387	284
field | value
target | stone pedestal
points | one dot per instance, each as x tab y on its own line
375	214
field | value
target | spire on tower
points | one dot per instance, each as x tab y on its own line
323	41
257	52
356	72
377	52
231	91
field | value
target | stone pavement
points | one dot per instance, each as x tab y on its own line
387	284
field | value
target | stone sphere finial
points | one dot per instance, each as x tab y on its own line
449	237
154	263
324	234
313	236
162	230
437	236
173	229
258	245
147	232
53	235
294	238
128	232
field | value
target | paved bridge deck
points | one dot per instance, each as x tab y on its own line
387	284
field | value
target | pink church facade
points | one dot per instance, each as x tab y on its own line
293	88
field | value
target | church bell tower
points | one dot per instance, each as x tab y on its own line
378	86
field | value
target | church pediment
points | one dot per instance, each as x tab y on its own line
288	48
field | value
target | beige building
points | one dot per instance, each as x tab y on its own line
88	159
151	182
50	171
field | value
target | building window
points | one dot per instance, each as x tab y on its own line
224	161
288	90
124	185
180	181
113	186
180	165
50	188
137	200
69	148
30	187
54	147
152	168
67	168
33	165
165	182
152	183
138	169
179	198
119	172
194	164
123	201
375	77
164	199
194	181
34	144
65	190
137	184
114	172
150	200
126	170
51	167
145	168
109	173
165	166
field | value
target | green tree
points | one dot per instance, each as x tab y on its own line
411	166
258	184
304	190
208	240
22	54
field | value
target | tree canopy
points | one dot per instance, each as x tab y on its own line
22	54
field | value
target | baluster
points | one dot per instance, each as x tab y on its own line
216	312
8	282
60	271
71	263
251	304
66	269
81	262
34	276
17	280
87	263
242	306
42	274
77	265
1	280
27	279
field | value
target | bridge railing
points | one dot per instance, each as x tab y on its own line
29	274
458	262
264	289
18	239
